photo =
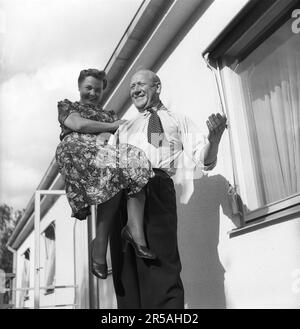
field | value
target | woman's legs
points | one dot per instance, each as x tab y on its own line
135	223
105	216
133	232
135	210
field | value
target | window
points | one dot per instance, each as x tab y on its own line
25	280
49	239
259	61
264	93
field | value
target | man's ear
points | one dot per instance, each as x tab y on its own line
158	88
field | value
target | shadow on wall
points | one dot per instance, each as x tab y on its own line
198	236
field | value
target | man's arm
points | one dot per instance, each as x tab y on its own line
216	125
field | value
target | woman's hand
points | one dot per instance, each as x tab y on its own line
103	138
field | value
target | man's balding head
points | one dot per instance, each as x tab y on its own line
152	75
145	88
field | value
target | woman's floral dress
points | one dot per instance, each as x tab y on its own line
93	170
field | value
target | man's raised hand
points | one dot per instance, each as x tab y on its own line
216	125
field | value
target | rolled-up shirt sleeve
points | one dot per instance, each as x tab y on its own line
193	142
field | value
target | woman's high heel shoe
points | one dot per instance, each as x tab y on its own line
99	270
140	251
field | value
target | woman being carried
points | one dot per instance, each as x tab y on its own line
95	173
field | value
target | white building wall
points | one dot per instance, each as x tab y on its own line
28	243
257	269
65	259
263	267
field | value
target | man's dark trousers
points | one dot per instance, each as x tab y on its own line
142	283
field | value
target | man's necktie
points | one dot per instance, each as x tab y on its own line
155	129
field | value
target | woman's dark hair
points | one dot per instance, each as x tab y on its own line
99	75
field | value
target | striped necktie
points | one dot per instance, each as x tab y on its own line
155	128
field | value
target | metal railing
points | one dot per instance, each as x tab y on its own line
44	288
93	282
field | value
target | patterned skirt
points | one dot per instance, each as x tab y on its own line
95	172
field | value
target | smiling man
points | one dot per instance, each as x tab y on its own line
164	136
145	89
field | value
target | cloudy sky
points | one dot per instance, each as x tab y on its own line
43	46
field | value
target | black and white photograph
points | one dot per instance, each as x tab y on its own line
149	156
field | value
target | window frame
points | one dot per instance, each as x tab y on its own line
257	21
